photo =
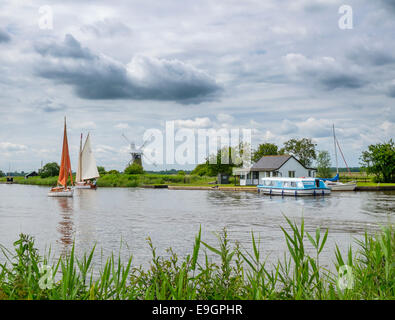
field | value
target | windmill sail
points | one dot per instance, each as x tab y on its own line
65	165
87	167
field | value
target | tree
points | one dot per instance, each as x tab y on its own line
265	149
2	174
303	149
379	160
323	164
51	169
101	170
134	168
113	171
224	161
201	170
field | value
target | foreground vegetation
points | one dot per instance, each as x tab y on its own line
238	274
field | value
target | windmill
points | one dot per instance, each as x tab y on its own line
137	153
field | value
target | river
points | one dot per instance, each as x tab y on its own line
119	220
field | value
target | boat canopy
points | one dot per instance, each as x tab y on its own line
335	178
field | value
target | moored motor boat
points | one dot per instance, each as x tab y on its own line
293	187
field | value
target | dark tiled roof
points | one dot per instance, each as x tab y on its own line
268	163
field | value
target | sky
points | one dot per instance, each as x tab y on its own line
281	68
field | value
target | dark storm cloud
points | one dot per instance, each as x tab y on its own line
70	48
4	36
327	72
371	56
96	76
389	4
391	91
335	81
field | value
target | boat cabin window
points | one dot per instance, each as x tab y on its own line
268	183
317	183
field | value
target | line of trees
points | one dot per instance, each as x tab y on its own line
303	149
378	160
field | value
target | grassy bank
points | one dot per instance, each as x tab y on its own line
125	180
238	274
150	179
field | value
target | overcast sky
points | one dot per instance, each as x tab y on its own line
282	68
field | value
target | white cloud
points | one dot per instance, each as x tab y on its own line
12	147
196	123
121	126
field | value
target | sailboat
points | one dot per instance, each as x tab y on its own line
87	168
62	190
334	184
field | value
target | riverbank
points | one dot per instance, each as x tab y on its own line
367	274
175	182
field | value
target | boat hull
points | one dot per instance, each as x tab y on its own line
61	193
342	187
85	186
294	192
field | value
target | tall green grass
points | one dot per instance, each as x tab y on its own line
235	273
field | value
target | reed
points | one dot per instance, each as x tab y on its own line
234	273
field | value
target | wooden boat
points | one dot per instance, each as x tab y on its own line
62	190
87	169
293	187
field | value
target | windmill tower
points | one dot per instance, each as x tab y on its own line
136	153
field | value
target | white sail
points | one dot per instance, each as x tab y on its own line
88	162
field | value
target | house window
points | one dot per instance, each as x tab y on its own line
242	176
255	175
291	174
275	174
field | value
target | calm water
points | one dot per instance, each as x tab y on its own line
111	216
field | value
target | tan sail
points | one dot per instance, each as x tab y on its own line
88	163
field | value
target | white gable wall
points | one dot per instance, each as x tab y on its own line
293	165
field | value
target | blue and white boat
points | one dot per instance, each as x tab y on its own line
293	187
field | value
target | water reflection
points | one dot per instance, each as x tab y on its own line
65	227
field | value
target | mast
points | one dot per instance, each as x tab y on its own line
79	170
334	142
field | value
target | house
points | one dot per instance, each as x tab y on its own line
31	174
273	166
